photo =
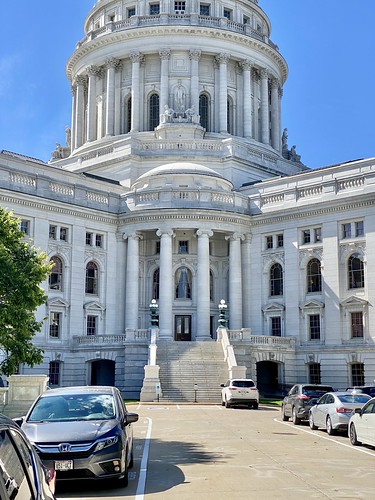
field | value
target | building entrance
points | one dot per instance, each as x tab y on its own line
268	378
103	372
182	328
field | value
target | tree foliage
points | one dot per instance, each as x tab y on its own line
22	270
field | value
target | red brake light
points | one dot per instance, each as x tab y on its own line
341	409
302	396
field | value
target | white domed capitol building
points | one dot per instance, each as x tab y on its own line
176	197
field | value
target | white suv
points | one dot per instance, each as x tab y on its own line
239	391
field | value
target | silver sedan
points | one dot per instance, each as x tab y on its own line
334	409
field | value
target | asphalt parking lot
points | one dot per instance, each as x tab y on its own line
187	452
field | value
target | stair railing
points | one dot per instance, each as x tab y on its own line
234	371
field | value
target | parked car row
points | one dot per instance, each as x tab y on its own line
351	411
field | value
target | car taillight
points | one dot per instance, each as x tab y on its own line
232	388
253	388
341	409
303	396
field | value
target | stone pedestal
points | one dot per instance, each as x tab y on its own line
151	384
22	391
178	130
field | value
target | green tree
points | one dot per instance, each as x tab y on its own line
22	270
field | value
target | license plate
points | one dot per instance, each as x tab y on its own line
64	465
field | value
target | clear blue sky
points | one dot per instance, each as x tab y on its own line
329	97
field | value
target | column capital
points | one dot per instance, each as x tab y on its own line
222	58
136	56
204	232
134	235
165	54
112	62
165	232
235	237
81	80
73	89
93	70
246	64
264	73
195	54
274	83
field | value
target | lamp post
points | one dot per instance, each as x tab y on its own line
222	314
154	308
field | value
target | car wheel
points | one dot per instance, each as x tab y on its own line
222	403
295	419
284	417
330	429
227	405
313	427
353	436
255	406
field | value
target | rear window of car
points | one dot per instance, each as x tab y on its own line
354	398
242	383
316	392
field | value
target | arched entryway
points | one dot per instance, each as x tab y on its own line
268	378
103	372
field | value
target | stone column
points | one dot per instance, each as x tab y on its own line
222	60
164	80
275	131
247	115
246	280
111	65
80	110
92	73
132	280
74	105
194	55
136	58
203	284
235	281
166	281
264	107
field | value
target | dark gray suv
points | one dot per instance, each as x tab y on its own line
300	399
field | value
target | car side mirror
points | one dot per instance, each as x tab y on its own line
130	418
359	411
222	385
19	420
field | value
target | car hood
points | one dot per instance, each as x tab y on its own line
78	430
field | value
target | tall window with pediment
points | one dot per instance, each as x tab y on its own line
183	283
276	280
314	276
356	278
55	278
91	286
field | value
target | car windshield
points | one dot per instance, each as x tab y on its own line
315	392
242	383
73	407
354	398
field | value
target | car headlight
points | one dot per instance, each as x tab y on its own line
104	443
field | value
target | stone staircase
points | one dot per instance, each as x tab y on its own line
184	364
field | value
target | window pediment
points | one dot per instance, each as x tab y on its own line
57	302
354	301
273	308
312	304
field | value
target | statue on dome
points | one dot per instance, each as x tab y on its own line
180	97
191	115
68	137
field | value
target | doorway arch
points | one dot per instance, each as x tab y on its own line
268	375
103	372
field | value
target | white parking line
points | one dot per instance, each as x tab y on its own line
139	494
318	435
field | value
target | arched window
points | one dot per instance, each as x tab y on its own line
204	111
55	278
91	286
314	276
128	115
153	111
155	284
183	283
276	280
356	277
230	127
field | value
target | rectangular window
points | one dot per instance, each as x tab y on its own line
317	234
131	11
314	373
179	7
228	14
92	325
306	238
183	247
88	238
54	325
63	233
356	319
25	227
204	9
359	228
314	327
346	231
154	9
52	232
99	240
54	373
269	242
280	240
157	247
358	374
246	20
276	326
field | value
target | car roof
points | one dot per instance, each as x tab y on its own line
346	393
232	379
83	389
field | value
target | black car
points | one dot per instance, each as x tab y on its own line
367	389
82	432
300	399
22	475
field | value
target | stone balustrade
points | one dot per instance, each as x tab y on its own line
244	335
